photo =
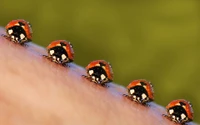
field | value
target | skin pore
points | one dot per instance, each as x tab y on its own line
35	91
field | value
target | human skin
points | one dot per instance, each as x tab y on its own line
36	91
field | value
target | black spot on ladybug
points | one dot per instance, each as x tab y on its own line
58	52
178	111
139	93
21	24
98	71
182	104
17	31
101	64
139	90
62	44
143	83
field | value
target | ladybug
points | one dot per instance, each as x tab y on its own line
60	51
140	91
180	111
19	31
100	72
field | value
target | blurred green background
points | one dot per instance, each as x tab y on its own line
154	40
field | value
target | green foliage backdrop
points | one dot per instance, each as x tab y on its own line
154	40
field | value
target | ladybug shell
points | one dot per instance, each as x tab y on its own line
148	87
27	27
107	68
68	48
188	107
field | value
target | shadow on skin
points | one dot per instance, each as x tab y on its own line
35	91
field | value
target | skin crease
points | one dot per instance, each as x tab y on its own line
35	91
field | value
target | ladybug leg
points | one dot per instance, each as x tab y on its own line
24	44
169	118
166	116
49	58
127	96
146	104
104	85
65	65
3	35
86	77
182	121
6	37
45	56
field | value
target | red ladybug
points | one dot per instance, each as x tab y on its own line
60	51
100	72
19	31
180	111
140	91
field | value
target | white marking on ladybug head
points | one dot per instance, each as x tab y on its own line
173	116
58	59
144	96
51	52
103	76
64	47
63	56
171	111
93	77
54	57
183	116
12	37
184	106
97	64
91	72
132	91
104	67
22	36
17	24
138	84
134	96
58	44
145	87
10	31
